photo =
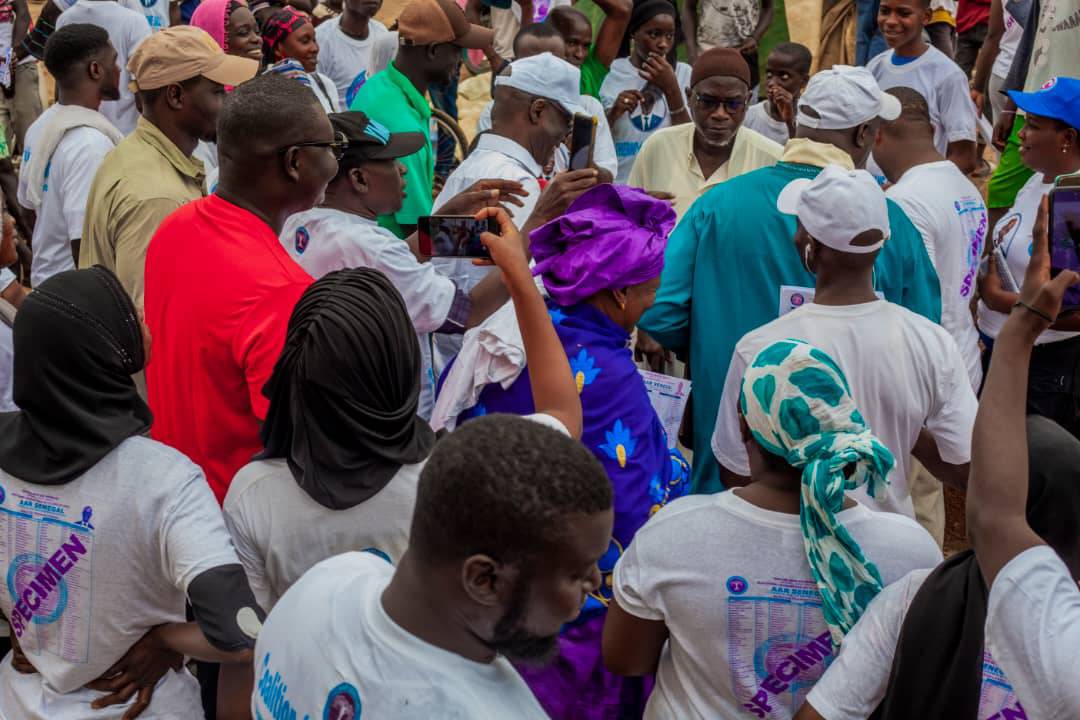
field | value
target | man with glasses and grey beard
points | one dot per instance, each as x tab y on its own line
688	159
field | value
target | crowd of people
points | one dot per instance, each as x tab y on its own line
263	456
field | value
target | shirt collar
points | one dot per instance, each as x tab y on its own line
808	152
505	146
412	95
151	135
719	174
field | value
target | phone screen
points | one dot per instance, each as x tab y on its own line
1065	237
453	236
581	141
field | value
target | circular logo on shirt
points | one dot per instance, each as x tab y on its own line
28	572
302	240
343	703
797	299
737	585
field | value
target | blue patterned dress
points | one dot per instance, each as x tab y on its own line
621	428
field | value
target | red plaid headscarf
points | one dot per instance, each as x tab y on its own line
280	25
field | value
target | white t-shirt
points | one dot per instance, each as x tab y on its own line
1033	631
1010	40
758	118
322	240
329	648
63	201
344	59
941	81
949	213
94	564
7	357
855	683
126	29
280	532
905	373
603	149
1013	232
748	637
631	129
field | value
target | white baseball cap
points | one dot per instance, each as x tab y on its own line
548	77
837	206
844	97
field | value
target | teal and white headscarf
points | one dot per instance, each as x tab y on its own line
798	405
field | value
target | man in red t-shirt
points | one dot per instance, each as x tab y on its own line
220	287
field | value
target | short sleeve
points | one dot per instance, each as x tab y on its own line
632	590
1033	631
727	444
259	341
952	417
957	111
857	679
193	535
80	163
247	549
548	421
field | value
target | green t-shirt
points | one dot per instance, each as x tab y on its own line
391	99
593	73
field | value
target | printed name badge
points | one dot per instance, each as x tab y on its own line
793	297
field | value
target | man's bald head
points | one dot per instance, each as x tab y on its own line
267	112
567	19
914	114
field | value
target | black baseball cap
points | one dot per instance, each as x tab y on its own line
370	140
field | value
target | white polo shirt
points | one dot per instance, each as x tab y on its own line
322	240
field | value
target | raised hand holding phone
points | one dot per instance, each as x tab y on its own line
553	388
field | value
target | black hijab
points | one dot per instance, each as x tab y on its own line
344	393
77	342
937	669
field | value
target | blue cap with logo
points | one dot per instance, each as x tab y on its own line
1059	98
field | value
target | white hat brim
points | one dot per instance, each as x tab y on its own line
788	200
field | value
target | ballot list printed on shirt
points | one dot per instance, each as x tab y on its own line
47	547
778	642
997	701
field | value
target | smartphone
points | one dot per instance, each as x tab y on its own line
1065	234
454	236
582	137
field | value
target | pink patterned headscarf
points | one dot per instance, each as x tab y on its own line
213	17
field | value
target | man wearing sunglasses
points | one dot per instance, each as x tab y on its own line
219	285
688	159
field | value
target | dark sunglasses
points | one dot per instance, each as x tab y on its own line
338	145
710	104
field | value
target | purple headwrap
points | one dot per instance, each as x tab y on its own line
611	237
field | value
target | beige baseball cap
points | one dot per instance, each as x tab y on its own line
182	52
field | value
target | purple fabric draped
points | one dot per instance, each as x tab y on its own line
610	238
622	430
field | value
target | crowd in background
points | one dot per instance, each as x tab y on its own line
263	456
